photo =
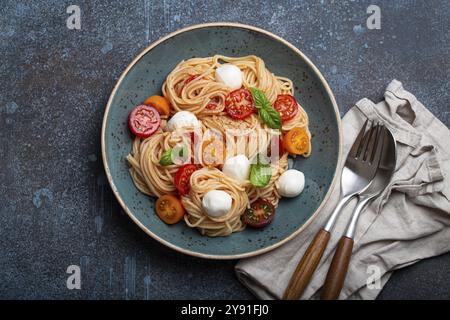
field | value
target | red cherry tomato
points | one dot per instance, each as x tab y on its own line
211	106
182	178
287	106
180	86
239	104
281	149
259	215
144	121
186	82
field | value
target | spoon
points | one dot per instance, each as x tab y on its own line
338	269
359	170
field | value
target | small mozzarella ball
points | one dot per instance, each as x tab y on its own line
182	119
216	203
230	75
237	167
291	183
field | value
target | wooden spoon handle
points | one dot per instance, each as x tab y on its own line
338	270
307	265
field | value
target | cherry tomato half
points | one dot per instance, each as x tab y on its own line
144	121
161	104
186	82
296	141
287	106
259	215
239	104
281	149
169	209
211	106
181	85
182	178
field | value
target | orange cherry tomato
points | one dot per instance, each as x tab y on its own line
161	104
169	209
296	141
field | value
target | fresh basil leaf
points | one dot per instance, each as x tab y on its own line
166	158
260	174
264	115
259	98
268	114
273	118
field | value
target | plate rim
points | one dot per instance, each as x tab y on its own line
187	251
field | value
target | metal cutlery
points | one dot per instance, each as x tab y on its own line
339	266
358	172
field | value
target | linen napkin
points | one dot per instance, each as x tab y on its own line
408	222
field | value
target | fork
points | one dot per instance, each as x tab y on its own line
338	269
359	170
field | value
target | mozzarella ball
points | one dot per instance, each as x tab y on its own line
216	203
291	183
230	75
182	119
237	167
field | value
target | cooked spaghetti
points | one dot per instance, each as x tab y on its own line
202	181
203	89
225	129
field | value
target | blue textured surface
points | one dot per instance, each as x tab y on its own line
55	206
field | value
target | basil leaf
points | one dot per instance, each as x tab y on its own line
259	98
275	118
260	174
271	117
166	158
267	113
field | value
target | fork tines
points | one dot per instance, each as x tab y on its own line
368	145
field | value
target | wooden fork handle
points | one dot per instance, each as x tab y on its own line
307	265
338	270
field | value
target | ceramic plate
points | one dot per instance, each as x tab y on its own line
145	76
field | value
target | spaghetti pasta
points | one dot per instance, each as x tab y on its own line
207	179
192	86
248	136
149	176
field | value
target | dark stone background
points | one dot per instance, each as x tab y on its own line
56	208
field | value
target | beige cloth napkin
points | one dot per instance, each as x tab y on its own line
410	221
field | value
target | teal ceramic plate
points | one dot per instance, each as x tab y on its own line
144	77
